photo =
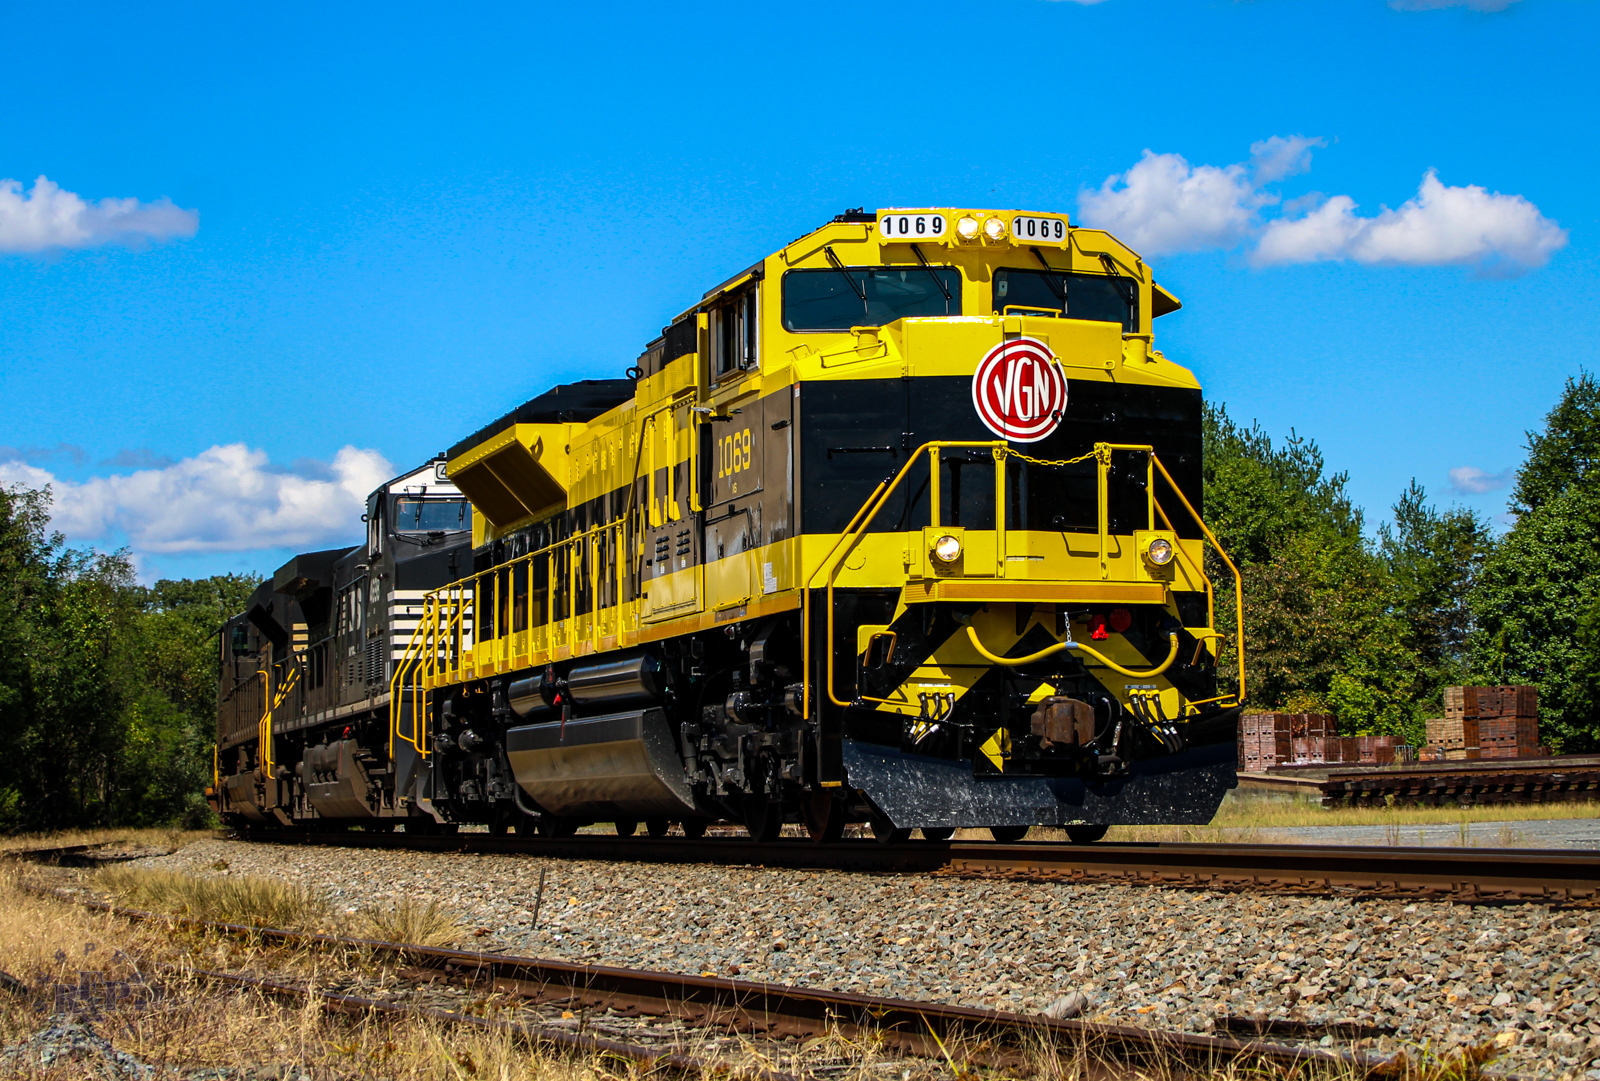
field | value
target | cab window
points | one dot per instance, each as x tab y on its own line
735	332
413	515
845	297
1099	297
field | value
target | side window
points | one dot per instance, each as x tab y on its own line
735	333
375	508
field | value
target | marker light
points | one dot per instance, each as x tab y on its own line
1159	552
947	549
967	228
994	229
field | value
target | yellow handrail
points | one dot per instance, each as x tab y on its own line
1101	453
1238	584
852	534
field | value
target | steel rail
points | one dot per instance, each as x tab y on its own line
1467	874
649	1057
922	1029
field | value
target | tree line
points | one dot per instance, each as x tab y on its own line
1372	625
108	687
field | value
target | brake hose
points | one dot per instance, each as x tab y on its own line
1012	662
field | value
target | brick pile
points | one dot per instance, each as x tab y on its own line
1486	722
1276	739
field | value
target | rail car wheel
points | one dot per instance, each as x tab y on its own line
824	817
1008	834
1086	835
938	833
626	828
557	827
763	818
657	827
694	827
885	833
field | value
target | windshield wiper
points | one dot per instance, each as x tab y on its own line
917	250
1056	283
861	294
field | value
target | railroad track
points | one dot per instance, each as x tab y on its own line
1467	874
679	1022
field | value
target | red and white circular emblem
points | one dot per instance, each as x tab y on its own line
1020	391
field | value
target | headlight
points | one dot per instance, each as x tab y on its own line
967	228
947	548
994	228
1159	552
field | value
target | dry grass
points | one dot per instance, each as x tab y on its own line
411	923
257	902
173	839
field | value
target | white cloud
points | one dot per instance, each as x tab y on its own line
225	499
1470	480
1440	225
1435	5
50	217
1165	205
1280	156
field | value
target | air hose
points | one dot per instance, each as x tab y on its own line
1012	662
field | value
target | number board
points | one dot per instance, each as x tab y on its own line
736	463
912	225
1029	230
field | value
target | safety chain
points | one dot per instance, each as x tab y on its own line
1101	451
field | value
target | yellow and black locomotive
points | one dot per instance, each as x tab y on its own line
901	525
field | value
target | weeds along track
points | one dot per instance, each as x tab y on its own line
1478	875
707	1025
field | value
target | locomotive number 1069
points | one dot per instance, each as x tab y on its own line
912	226
733	454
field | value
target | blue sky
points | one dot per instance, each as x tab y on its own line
362	231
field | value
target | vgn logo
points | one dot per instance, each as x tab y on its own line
1020	391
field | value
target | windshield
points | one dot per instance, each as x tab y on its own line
1075	296
867	296
412	515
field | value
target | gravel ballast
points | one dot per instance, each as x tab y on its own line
1526	976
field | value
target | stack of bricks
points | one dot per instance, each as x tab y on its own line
1313	735
1305	739
1264	741
1487	722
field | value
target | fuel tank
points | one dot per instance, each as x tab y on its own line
614	765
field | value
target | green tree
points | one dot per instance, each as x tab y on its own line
1567	452
107	688
1434	560
1536	605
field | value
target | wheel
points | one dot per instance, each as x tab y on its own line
1008	834
1086	835
824	817
551	826
763	818
884	832
626	828
657	827
694	827
938	833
